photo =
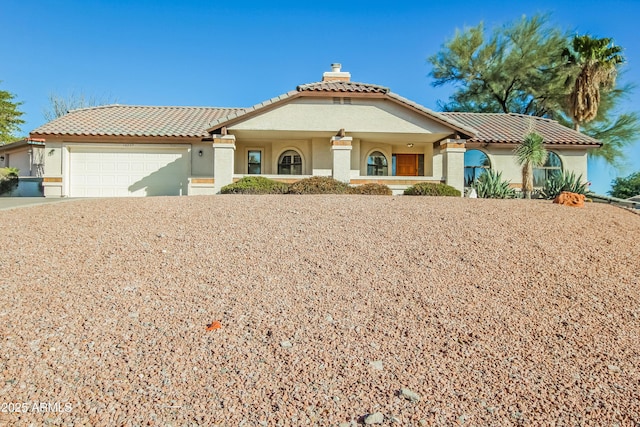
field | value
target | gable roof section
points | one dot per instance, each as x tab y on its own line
498	128
341	88
135	120
198	122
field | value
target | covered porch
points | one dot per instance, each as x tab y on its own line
396	160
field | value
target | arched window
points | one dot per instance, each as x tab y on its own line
475	164
377	164
552	167
290	163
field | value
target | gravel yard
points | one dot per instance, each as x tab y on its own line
488	312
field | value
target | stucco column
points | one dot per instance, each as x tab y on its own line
341	152
224	147
54	178
453	162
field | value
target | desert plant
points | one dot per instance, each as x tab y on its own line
530	153
490	185
319	185
255	185
432	189
563	182
9	172
371	189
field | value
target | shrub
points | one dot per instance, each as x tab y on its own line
563	182
371	190
319	185
431	189
255	185
490	185
9	172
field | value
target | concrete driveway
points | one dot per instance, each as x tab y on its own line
21	202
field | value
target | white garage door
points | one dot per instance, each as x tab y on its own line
121	172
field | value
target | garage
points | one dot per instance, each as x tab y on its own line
128	171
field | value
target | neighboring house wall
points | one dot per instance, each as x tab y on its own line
28	158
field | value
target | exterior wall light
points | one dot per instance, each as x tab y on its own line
410	145
200	153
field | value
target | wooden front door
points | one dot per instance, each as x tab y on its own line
406	164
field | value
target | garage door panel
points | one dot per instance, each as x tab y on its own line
114	172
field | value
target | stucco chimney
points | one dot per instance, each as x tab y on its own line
336	74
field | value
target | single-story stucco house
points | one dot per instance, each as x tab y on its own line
26	155
356	132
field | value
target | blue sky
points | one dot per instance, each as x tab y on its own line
236	54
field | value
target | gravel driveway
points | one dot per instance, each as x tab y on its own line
489	312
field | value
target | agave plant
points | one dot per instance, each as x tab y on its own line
490	185
563	182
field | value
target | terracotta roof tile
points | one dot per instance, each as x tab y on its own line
511	128
341	86
135	120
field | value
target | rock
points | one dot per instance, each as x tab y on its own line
286	344
613	368
376	418
410	395
567	198
377	365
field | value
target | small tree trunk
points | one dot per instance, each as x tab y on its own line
576	127
527	180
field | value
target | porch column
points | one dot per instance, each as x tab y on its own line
224	147
341	152
453	162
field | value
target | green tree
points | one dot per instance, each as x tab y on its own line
530	153
10	120
529	67
596	62
518	68
623	188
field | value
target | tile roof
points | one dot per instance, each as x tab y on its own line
342	86
136	120
511	128
152	121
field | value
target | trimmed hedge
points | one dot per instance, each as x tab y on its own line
255	185
319	185
432	189
371	190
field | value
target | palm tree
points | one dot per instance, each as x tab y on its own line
596	61
530	153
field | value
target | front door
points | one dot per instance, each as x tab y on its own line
406	164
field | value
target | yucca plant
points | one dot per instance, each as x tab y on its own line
563	182
530	153
490	185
